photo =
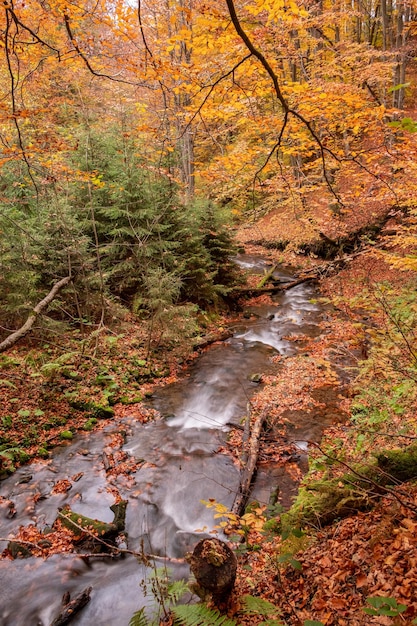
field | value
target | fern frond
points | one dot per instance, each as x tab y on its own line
259	606
139	618
200	615
176	590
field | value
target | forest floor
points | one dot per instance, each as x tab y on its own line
325	573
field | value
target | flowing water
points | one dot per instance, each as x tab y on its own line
184	463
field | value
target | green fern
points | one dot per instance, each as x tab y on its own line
200	615
139	618
259	606
176	590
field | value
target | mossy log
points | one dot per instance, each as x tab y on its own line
78	523
267	277
214	566
208	340
254	291
401	464
322	502
119	510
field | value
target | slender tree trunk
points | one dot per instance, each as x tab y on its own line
185	137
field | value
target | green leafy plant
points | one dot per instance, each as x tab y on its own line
166	594
384	606
200	615
139	618
258	606
10	454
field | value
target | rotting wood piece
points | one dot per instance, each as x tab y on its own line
71	608
251	462
214	566
86	528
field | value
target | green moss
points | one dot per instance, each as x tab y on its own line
75	521
321	502
66	434
101	411
126	400
401	464
90	423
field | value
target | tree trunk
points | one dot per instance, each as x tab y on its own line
214	566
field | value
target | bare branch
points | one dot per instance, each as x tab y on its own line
83	56
37	310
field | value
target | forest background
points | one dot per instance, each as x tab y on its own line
137	138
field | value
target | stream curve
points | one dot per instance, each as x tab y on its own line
181	461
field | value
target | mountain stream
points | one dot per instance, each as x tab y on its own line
184	463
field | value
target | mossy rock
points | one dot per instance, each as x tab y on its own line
112	399
143	375
100	411
79	405
19	550
317	505
71	375
401	464
127	401
104	379
56	421
161	373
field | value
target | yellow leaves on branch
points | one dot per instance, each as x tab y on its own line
277	10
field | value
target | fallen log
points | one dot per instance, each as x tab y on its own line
206	341
274	288
250	465
266	278
71	608
36	311
314	273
